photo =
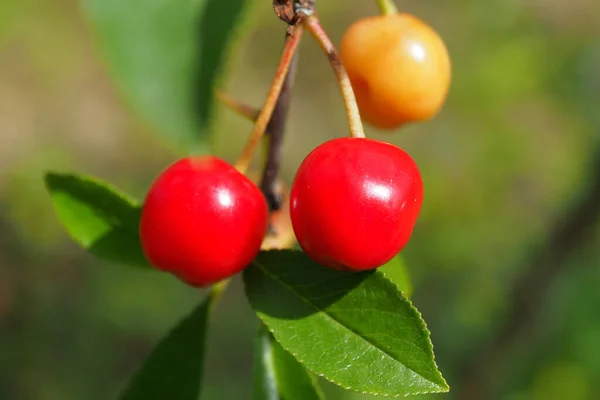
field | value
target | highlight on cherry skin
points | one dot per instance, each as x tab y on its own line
354	203
399	68
202	221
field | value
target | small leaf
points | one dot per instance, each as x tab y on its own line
397	272
98	217
174	368
355	329
278	375
166	56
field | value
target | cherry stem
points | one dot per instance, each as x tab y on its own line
273	137
244	110
240	108
387	7
356	127
263	118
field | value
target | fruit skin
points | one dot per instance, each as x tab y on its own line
399	68
354	203
202	220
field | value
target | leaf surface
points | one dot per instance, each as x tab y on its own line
98	217
355	329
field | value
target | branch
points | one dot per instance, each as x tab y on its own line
275	134
289	11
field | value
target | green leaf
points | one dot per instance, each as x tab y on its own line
355	329
166	57
397	272
174	368
98	217
278	375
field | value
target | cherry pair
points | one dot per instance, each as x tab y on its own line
354	201
353	206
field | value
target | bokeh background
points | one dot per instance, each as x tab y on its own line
505	258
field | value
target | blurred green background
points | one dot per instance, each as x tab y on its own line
505	257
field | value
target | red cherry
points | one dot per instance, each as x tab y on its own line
354	203
202	221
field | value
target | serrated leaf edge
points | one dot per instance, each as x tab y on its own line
420	319
423	325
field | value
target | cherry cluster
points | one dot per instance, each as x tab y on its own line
354	201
